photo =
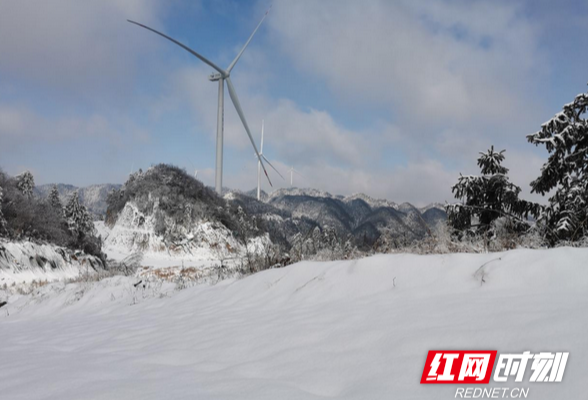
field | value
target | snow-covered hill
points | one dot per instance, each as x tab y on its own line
349	329
173	219
203	243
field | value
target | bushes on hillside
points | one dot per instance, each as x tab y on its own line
26	217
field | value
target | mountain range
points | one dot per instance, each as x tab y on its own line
292	213
358	216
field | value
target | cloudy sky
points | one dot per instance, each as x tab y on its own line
390	98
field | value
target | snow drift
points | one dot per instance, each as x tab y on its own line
348	329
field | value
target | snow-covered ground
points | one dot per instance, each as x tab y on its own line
348	329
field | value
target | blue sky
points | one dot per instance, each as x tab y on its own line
393	99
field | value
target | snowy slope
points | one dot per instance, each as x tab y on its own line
22	262
347	330
204	244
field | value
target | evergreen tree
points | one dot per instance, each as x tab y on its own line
2	220
316	238
78	220
54	198
565	137
488	197
26	183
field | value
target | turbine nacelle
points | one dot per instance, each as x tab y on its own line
216	76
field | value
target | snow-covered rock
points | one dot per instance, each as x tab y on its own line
135	231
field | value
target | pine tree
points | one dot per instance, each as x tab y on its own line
316	239
488	197
565	137
3	223
26	183
54	198
78	220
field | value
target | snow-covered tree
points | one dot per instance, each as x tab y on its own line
2	220
349	249
26	183
316	239
54	198
565	137
486	198
78	219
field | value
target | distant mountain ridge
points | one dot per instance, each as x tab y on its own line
358	216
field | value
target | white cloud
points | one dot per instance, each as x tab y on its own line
433	63
524	167
83	47
20	126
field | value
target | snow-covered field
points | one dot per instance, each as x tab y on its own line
348	329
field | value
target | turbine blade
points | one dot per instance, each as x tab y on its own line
298	173
235	100
247	43
261	147
270	164
205	60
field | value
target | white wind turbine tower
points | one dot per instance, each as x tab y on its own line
195	169
221	76
292	171
259	164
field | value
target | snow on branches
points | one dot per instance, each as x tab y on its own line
78	218
488	197
2	220
565	137
25	183
54	198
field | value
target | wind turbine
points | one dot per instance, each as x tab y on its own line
259	165
292	170
221	76
195	169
